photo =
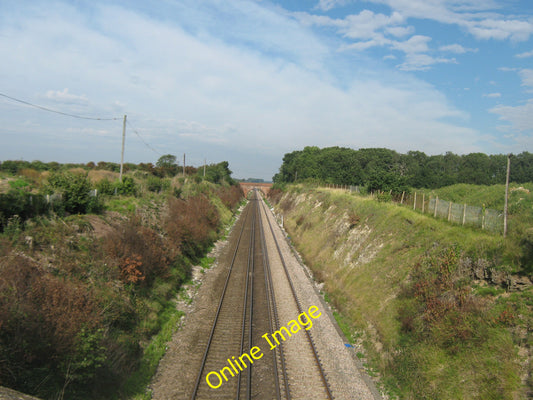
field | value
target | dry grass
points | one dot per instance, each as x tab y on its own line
97	175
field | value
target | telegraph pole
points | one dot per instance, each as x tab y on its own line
122	153
204	166
506	195
183	164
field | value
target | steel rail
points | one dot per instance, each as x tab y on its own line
273	319
248	286
295	297
215	320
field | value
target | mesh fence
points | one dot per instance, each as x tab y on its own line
462	214
458	213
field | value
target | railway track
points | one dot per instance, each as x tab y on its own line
257	298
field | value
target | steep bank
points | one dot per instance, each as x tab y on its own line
428	299
87	301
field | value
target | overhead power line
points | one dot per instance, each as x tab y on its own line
80	117
142	140
55	111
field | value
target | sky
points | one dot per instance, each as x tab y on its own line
246	81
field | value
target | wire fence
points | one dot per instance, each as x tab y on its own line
461	214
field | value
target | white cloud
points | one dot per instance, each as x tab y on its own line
369	29
519	117
400	31
500	29
197	90
326	5
422	62
415	44
377	41
507	69
456	48
65	97
527	77
365	24
492	95
525	54
469	14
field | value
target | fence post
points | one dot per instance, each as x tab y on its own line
423	202
414	203
464	213
484	211
449	211
436	206
401	201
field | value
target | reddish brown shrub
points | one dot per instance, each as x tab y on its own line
230	196
135	247
41	316
190	222
130	269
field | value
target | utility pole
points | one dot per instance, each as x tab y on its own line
122	153
183	164
506	195
204	166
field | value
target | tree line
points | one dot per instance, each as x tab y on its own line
166	166
385	170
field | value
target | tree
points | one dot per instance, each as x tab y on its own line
167	165
218	173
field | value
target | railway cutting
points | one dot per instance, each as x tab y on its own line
258	329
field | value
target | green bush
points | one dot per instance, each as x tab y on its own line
105	187
157	185
384	197
74	189
22	204
18	184
126	187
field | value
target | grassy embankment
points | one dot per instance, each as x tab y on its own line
411	289
87	300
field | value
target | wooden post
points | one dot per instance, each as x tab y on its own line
464	214
436	206
423	202
414	203
122	152
401	201
506	195
450	211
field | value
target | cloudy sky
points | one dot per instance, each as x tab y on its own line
249	80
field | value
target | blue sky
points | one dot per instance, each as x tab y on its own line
249	80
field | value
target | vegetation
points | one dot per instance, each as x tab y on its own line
88	282
165	167
386	170
432	303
